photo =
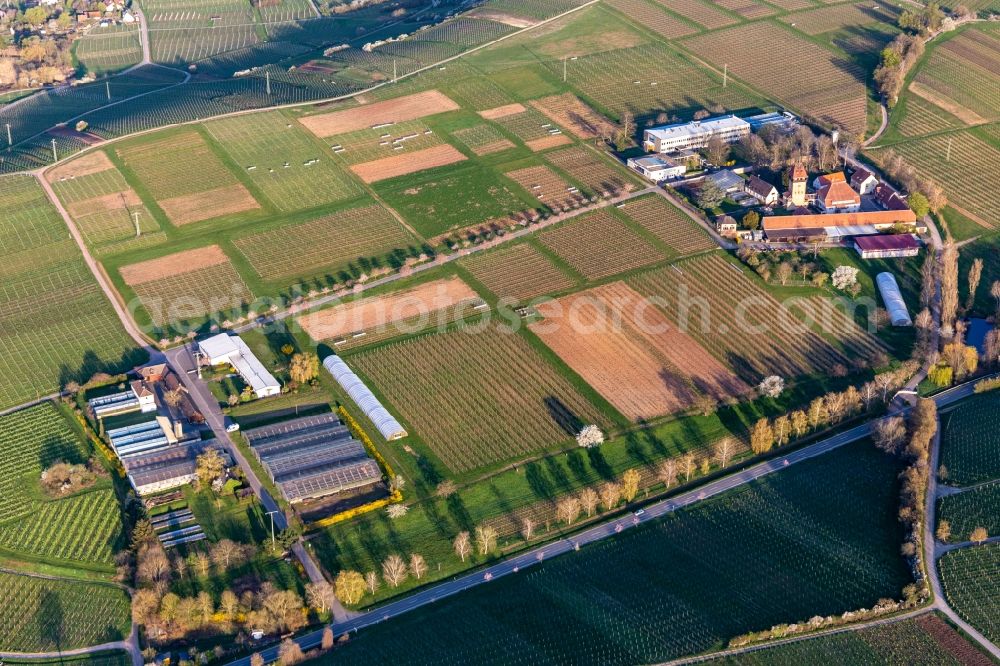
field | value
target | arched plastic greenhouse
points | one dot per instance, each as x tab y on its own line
894	303
364	398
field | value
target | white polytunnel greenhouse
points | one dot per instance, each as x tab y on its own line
364	398
894	303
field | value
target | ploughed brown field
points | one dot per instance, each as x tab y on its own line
631	353
390	111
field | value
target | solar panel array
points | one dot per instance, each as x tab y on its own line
312	457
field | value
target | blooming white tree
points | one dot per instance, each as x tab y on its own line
844	277
772	386
397	510
590	437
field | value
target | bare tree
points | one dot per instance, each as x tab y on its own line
321	595
528	528
943	532
975	276
418	566
394	570
372	582
724	450
611	494
889	434
761	436
979	535
568	510
782	429
688	465
949	287
800	422
326	642
666	472
290	653
589	499
486	538
446	488
462	545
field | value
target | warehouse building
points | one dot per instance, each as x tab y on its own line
695	134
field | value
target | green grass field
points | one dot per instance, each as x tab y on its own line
978	507
971	578
924	641
766	553
47	615
969	441
57	325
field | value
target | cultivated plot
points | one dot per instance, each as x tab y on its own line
379	114
669	224
728	313
548	187
401	312
971	578
837	17
649	79
110	48
483	139
189	182
106	210
680	584
702	13
598	245
824	87
51	615
631	354
407	163
970	441
520	272
533	129
55	323
189	30
657	20
292	170
963	74
568	111
927	640
478	396
355	239
591	169
370	144
974	508
187	285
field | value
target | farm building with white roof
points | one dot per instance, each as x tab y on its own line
386	424
694	134
224	348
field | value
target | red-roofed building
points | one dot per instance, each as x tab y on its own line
829	178
885	246
838	197
888	198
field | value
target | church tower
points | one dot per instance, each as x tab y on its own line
797	186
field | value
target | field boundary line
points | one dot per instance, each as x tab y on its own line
27	405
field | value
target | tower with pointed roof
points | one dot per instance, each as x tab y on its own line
797	186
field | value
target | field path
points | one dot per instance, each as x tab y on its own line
609	529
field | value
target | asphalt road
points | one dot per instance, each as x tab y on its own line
596	533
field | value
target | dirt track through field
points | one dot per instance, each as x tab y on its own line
388	112
173	264
630	353
380	311
503	111
400	165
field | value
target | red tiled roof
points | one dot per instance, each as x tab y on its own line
828	178
880	217
837	191
860	176
799	172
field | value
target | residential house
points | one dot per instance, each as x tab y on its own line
838	197
863	181
762	191
888	198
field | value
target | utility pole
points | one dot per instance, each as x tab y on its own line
725	74
271	513
267	77
135	218
10	140
107	87
948	157
394	70
564	69
55	155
